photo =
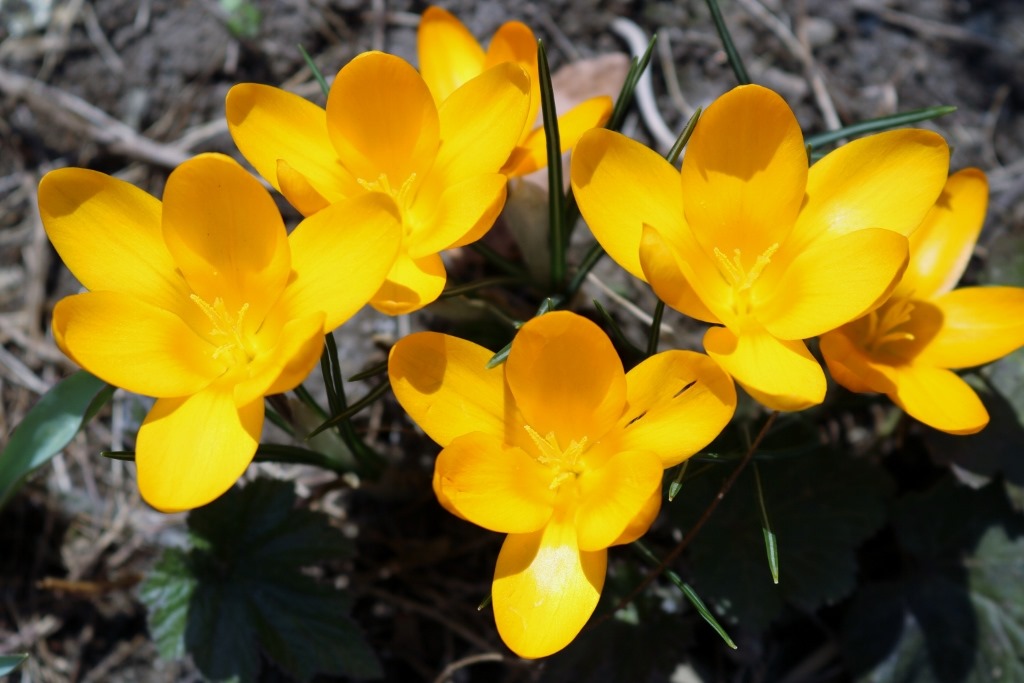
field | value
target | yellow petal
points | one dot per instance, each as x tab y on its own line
669	277
532	153
226	235
744	172
613	495
566	377
410	285
382	119
545	589
979	325
639	525
481	123
889	180
134	345
781	375
941	247
514	42
340	257
108	234
830	283
852	367
678	402
191	450
297	189
492	485
448	53
940	399
621	186
465	212
269	124
445	386
282	366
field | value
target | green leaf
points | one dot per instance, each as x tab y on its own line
242	18
735	61
9	663
997	449
49	427
957	612
240	590
166	591
879	124
816	550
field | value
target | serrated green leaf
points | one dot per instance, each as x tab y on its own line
957	613
48	428
166	591
999	447
9	663
823	505
249	593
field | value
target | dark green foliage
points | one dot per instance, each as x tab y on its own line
240	590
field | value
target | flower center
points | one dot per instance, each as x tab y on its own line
884	324
227	333
565	464
741	278
401	194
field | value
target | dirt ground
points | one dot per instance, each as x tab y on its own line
133	87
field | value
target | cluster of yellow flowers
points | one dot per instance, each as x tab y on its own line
206	303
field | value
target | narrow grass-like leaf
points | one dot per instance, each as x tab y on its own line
549	304
302	393
684	137
655	331
9	663
556	197
484	283
771	544
371	464
500	357
616	331
590	260
317	74
372	371
677	482
879	124
351	410
730	48
275	452
690	594
49	427
625	98
497	260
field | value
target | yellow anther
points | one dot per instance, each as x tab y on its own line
883	328
563	462
225	325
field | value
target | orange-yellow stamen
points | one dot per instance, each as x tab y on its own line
564	463
227	327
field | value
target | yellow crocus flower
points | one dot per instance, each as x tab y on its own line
558	448
450	56
747	237
206	303
382	132
907	347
